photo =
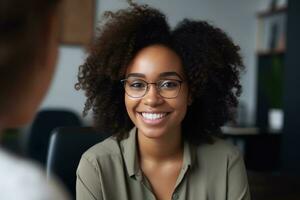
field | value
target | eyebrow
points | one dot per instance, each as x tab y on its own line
136	75
162	75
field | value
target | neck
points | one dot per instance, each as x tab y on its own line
160	149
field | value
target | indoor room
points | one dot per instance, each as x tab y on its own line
264	126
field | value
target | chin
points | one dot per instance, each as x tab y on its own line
152	133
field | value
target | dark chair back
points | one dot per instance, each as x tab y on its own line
274	186
65	149
37	139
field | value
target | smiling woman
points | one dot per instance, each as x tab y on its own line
163	94
160	110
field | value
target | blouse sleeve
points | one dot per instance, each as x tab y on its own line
88	186
238	188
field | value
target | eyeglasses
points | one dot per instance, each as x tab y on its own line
137	88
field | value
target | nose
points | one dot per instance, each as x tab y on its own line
152	97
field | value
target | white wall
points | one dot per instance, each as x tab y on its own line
236	17
62	93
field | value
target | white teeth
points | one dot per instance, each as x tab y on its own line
153	116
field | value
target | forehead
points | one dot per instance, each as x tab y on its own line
155	60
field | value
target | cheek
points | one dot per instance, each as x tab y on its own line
127	103
130	105
182	104
181	110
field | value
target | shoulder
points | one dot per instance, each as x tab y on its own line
17	171
219	146
222	165
219	151
107	149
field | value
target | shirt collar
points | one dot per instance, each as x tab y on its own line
130	153
187	155
129	147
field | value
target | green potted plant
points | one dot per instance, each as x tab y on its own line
273	87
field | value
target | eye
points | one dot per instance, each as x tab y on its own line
137	84
169	84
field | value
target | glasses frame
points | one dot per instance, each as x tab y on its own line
123	81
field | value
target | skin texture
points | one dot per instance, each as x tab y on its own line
160	144
25	93
152	62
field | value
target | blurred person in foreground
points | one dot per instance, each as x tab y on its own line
28	54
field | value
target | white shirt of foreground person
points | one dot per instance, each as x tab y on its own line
21	180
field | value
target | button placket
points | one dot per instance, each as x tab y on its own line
143	180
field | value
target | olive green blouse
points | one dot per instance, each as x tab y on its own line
110	171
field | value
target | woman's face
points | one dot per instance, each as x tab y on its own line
154	115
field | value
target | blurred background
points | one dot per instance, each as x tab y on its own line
266	128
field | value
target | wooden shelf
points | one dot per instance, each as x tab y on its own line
271	31
268	13
270	52
228	130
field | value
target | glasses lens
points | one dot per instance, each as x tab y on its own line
135	87
169	88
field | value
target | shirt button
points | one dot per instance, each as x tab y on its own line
175	196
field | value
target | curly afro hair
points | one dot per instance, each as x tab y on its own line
211	62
